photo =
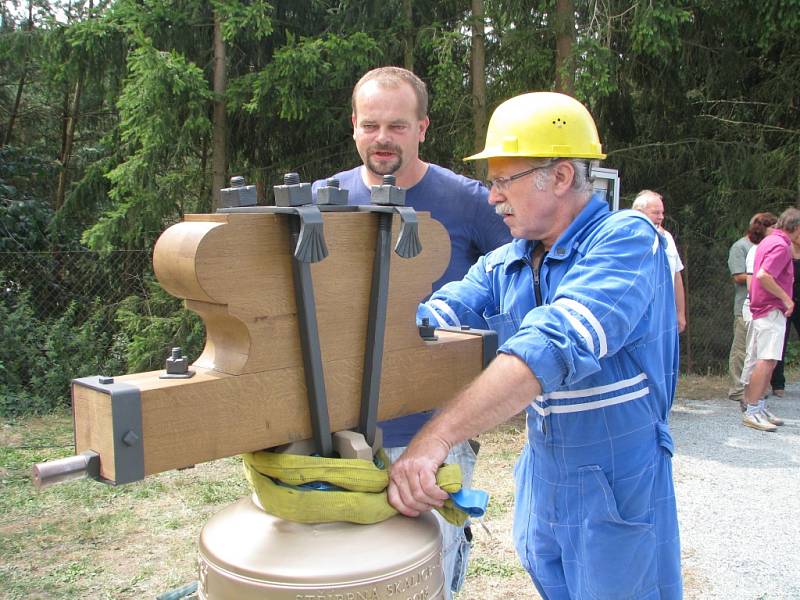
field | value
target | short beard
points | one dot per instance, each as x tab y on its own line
384	168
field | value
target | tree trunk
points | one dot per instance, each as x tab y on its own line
565	38
408	52
18	99
219	159
69	129
69	136
478	71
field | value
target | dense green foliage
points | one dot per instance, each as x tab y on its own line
698	100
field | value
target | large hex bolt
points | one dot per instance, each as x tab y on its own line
388	194
238	194
330	193
292	192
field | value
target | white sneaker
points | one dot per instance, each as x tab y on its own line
771	418
758	421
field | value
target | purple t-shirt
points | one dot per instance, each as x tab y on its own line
774	255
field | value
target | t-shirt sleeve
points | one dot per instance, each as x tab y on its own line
750	261
775	260
736	259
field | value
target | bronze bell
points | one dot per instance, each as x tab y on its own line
248	554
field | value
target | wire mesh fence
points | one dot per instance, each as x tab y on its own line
52	281
60	320
706	341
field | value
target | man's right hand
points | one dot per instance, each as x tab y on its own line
789	307
412	478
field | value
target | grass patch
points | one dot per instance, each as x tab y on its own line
480	566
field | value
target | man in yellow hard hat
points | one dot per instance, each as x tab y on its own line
583	305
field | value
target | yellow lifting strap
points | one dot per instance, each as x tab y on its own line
276	478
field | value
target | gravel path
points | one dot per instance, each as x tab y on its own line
738	495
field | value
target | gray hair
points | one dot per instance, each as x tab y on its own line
581	181
643	198
789	220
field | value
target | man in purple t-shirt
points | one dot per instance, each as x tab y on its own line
390	121
770	302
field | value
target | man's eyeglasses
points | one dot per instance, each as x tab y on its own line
502	183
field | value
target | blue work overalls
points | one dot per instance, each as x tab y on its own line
595	514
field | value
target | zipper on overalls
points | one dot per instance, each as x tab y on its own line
535	264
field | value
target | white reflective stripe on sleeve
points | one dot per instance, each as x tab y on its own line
573	408
440	322
592	320
600	389
584	333
442	306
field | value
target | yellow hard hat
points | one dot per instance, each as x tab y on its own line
541	124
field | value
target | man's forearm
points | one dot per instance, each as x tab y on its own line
504	389
769	284
680	301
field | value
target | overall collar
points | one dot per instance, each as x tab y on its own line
521	251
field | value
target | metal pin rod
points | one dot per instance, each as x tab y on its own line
86	464
376	329
309	342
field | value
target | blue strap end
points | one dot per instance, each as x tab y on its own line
472	502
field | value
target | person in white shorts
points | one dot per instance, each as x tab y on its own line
770	304
761	225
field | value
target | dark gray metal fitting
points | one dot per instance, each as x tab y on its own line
427	331
130	438
176	363
238	194
105	380
388	194
330	193
292	192
126	416
177	366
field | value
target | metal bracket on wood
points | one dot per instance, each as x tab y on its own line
489	340
386	200
126	422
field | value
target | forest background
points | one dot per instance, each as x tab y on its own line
116	118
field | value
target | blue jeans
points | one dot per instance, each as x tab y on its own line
455	542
